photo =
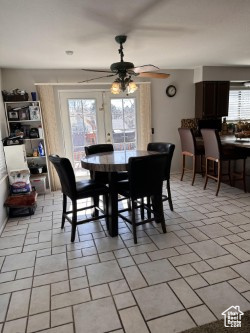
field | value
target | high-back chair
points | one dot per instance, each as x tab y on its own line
103	148
103	177
76	191
215	152
168	148
191	149
96	149
145	179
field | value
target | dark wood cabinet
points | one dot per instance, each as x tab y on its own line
211	99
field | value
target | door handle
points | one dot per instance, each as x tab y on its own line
108	138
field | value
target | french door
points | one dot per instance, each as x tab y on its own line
96	117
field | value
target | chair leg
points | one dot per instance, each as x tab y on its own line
169	195
183	166
244	175
134	222
149	208
194	169
206	171
142	209
219	178
129	204
95	202
64	210
74	221
229	173
202	173
158	211
105	204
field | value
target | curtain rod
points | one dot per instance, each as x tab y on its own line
80	84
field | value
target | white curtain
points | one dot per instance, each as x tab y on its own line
51	130
144	128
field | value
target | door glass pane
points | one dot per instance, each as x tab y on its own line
123	123
82	113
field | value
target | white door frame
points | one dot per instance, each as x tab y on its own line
103	113
63	96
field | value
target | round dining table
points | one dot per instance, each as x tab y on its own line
112	162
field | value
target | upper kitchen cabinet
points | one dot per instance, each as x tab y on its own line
211	99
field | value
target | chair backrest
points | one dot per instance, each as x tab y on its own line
100	148
66	175
164	147
146	175
188	143
101	177
212	143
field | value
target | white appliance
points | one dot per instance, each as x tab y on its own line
15	157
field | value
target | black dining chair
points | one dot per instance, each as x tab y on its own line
76	191
215	152
168	148
96	149
145	179
103	176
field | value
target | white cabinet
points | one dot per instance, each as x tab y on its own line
15	157
25	119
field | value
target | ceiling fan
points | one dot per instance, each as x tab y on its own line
125	71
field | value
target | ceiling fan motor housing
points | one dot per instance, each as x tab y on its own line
123	66
121	39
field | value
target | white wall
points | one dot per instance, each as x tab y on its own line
3	182
198	74
166	112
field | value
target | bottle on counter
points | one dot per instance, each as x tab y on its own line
224	128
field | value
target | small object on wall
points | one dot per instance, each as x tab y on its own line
171	91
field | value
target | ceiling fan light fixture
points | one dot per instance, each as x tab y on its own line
132	87
115	88
124	70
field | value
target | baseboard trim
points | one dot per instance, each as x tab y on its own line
3	225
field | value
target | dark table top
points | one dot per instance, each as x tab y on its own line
112	161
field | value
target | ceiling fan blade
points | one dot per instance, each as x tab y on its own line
96	78
95	70
144	68
154	75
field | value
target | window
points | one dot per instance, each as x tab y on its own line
239	105
82	113
123	114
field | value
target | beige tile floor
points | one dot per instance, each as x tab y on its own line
167	283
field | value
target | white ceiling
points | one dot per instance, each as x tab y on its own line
166	33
